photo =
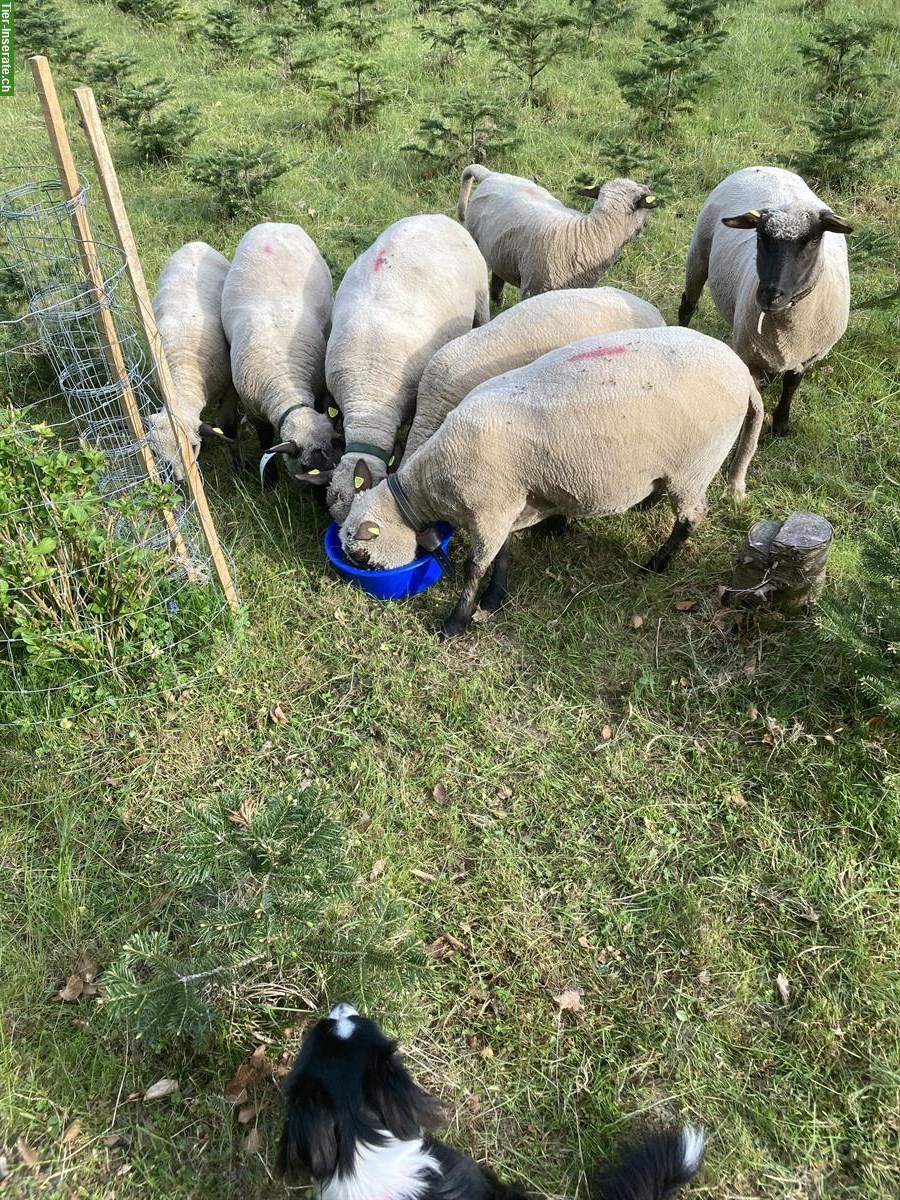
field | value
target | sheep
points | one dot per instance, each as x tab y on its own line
531	240
517	337
276	312
606	424
776	259
422	282
187	309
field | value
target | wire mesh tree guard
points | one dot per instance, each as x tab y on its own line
105	587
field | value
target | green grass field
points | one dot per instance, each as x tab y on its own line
665	814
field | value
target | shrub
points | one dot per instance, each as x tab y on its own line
225	27
528	39
469	129
844	136
864	623
361	23
839	51
109	74
632	160
261	910
448	41
604	14
159	131
357	91
238	177
41	28
84	607
295	61
152	12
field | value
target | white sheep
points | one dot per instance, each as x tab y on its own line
188	312
776	259
422	282
516	337
531	240
601	426
276	312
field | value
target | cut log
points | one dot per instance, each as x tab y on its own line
782	565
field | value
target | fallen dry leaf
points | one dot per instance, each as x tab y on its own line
606	732
704	978
86	967
253	1144
246	1115
160	1089
422	875
637	621
439	793
29	1157
570	1000
487	1052
685	605
377	870
71	1134
584	941
277	715
122	1171
243	815
4	1168
364	822
504	792
784	986
73	989
737	799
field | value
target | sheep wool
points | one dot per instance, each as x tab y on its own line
187	309
276	312
516	337
420	284
768	219
599	426
531	240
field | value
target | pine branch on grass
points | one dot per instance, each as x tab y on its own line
238	177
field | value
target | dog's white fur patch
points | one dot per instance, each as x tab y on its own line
693	1143
788	224
341	1014
395	1171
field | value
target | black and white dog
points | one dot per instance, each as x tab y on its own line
357	1126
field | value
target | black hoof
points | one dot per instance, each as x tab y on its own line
780	429
656	564
452	629
492	602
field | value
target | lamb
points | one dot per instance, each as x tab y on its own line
276	312
531	240
422	282
187	307
609	423
776	258
517	337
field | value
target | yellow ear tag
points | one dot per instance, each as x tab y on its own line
753	213
391	461
358	481
217	430
314	471
332	412
649	199
374	530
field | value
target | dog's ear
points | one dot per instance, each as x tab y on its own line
309	1147
402	1106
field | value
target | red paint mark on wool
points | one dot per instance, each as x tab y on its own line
267	249
380	260
597	352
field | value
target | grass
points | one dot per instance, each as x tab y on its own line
667	817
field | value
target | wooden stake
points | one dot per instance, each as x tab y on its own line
782	564
109	183
68	174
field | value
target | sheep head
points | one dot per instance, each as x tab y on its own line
374	533
164	445
352	475
307	445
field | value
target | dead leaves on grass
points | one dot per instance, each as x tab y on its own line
783	984
569	1001
80	984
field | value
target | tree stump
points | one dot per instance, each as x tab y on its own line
782	565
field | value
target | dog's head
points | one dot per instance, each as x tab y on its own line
348	1086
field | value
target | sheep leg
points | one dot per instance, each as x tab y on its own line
487	546
497	286
694	282
266	435
782	414
482	310
228	420
498	588
687	518
652	498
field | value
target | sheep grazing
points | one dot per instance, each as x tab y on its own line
606	424
776	259
421	283
188	312
276	312
517	337
531	240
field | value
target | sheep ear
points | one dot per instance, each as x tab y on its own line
747	220
366	532
207	430
832	223
647	201
591	192
362	476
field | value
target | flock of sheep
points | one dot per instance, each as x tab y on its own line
577	401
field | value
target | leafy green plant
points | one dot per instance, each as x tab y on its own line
448	40
296	61
109	74
595	15
238	177
361	23
356	90
840	53
153	12
159	129
261	911
43	28
864	623
528	38
631	159
845	136
469	129
225	27
84	606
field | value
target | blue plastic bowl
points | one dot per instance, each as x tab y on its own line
394	583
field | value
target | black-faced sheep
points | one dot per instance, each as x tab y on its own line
531	240
775	257
601	426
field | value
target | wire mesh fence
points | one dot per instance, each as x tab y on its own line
105	578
